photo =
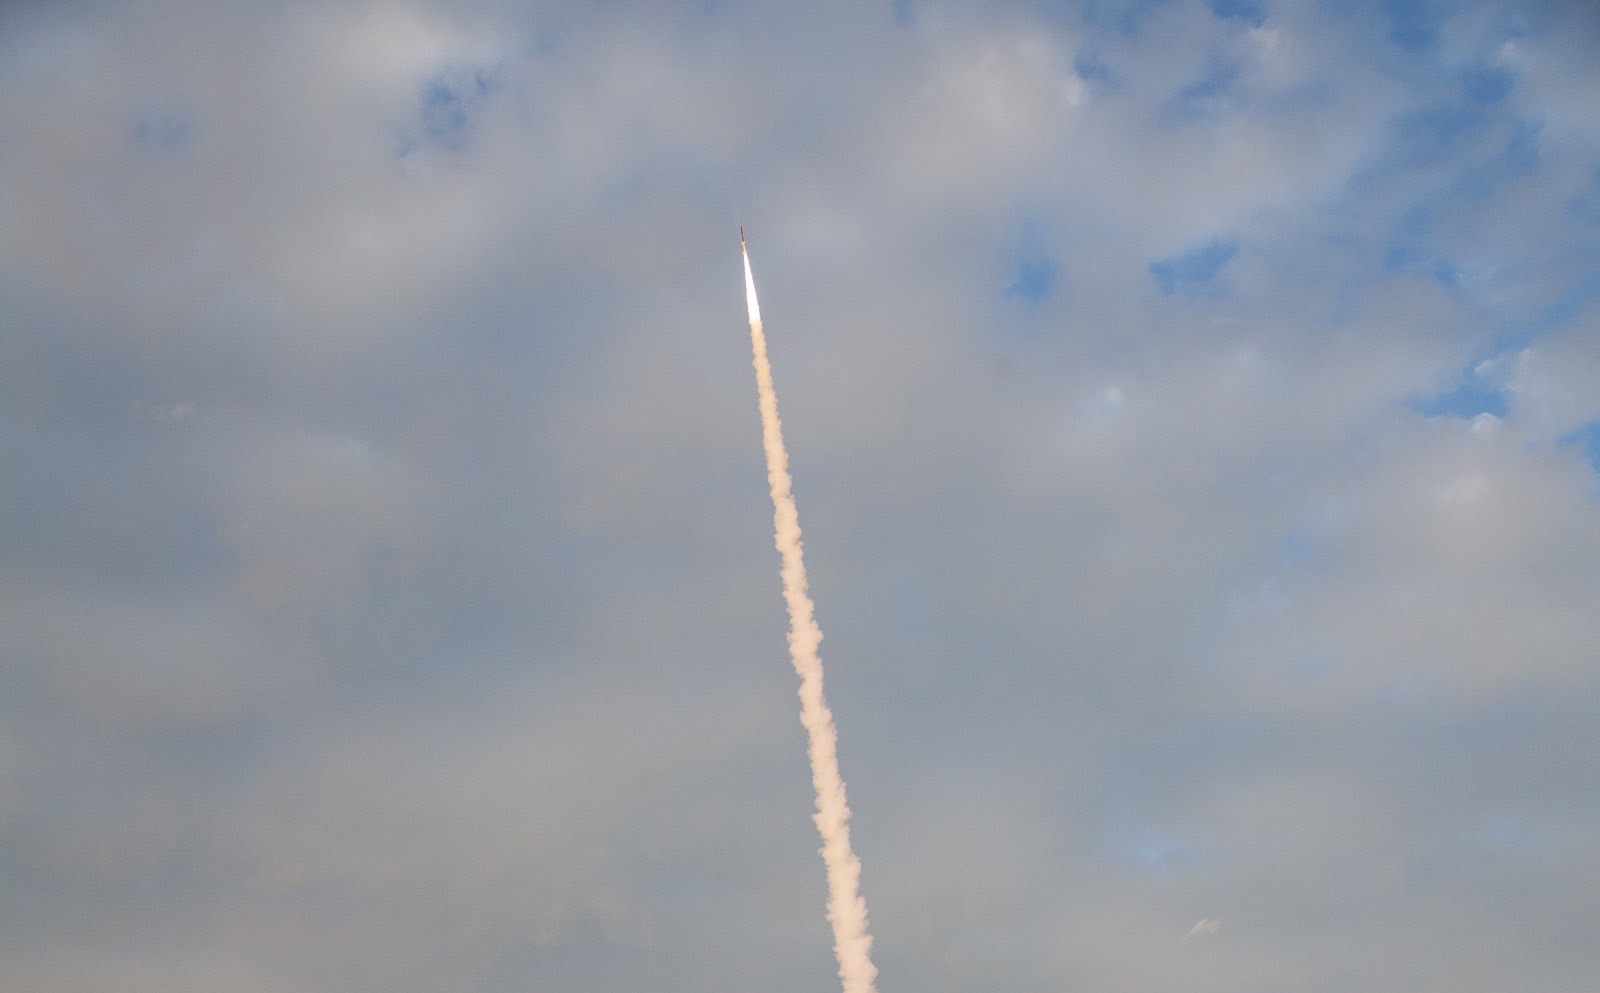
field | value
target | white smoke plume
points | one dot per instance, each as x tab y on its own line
847	911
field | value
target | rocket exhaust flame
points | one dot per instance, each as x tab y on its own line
847	911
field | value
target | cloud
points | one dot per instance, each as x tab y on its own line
1191	410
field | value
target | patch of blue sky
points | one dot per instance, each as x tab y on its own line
1406	240
1522	148
1411	244
1034	280
1472	160
1206	96
448	106
1248	11
1296	550
1479	178
904	12
165	130
1515	156
1155	852
1126	17
1466	401
1569	305
1448	274
444	115
1425	135
1486	85
1414	255
1480	388
1584	204
1470	112
1586	438
1092	70
1024	265
1457	106
1415	25
1196	270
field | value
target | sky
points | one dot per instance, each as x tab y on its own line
1194	415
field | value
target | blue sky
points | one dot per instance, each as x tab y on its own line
1193	415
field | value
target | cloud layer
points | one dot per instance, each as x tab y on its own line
1194	411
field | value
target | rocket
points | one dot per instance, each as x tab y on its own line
742	247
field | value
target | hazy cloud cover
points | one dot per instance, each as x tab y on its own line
1194	411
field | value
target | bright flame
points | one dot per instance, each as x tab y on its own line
847	911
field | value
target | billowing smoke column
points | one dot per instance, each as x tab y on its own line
847	911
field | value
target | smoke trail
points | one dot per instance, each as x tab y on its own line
847	911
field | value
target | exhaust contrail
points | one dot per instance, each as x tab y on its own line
847	911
